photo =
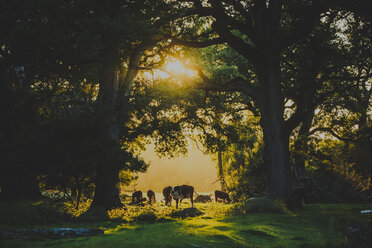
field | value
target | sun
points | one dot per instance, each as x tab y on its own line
172	69
177	68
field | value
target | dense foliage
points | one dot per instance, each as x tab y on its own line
280	95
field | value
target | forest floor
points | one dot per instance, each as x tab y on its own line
315	225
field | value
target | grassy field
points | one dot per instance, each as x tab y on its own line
321	225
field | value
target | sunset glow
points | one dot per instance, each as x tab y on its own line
176	68
173	69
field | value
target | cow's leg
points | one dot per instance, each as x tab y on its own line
177	203
192	200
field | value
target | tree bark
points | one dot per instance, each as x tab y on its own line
107	192
112	108
300	148
275	135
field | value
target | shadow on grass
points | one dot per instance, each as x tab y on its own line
313	226
256	233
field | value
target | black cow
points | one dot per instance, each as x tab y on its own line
137	197
218	194
182	192
167	195
151	196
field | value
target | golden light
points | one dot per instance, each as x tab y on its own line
177	69
173	69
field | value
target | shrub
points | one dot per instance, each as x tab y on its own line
259	205
19	212
146	217
187	212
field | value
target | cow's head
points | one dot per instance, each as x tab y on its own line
176	192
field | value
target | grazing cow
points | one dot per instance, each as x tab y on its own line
203	198
182	192
137	197
167	195
222	195
151	196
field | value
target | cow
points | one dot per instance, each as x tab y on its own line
203	198
167	195
151	196
182	192
218	194
137	197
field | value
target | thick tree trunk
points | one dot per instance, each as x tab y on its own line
111	105
276	137
107	192
276	159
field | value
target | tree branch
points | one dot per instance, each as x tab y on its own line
330	131
237	84
303	27
197	44
237	43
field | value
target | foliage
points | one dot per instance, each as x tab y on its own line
259	205
333	176
41	212
245	170
54	135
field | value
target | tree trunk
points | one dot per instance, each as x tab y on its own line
107	192
300	149
220	171
276	137
111	105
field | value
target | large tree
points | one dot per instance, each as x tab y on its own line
260	31
80	42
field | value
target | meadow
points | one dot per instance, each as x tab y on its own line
221	225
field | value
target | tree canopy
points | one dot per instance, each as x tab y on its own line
85	84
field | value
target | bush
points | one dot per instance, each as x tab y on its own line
187	212
41	212
259	205
326	184
146	217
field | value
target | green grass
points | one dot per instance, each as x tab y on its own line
320	225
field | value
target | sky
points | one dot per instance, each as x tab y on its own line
194	169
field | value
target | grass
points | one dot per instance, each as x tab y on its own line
317	225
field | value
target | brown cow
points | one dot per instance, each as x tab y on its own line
182	192
151	196
137	197
218	194
167	195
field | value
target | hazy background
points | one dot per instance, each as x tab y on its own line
195	169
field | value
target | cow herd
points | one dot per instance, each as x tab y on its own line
178	193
